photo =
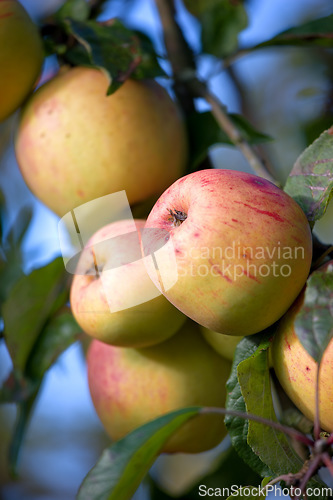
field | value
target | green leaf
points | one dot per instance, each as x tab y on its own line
11	253
122	466
112	47
317	32
78	10
32	300
59	333
238	427
270	445
314	320
221	25
248	492
19	227
204	132
24	411
17	388
310	182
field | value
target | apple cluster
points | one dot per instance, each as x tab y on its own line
222	254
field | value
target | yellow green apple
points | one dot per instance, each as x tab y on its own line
130	387
242	248
297	370
75	143
21	56
112	297
225	345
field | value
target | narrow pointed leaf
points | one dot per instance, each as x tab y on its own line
32	300
314	321
122	466
310	182
316	32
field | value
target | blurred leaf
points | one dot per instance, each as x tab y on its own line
59	333
112	47
314	321
122	466
198	7
254	381
248	492
24	411
32	300
10	272
204	132
19	227
75	9
238	427
10	251
16	388
310	182
220	26
317	32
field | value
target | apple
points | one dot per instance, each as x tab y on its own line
119	304
75	143
21	56
225	345
242	247
130	387
296	370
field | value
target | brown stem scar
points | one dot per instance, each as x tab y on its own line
177	216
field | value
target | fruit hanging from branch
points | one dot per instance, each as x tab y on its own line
297	370
130	387
243	249
75	143
118	303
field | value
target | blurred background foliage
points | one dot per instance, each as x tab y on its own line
286	93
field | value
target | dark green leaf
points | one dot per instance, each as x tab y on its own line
75	9
248	492
19	227
314	320
32	300
17	388
122	466
204	132
317	32
11	253
270	445
24	411
59	333
221	25
310	182
238	427
198	7
110	46
10	272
